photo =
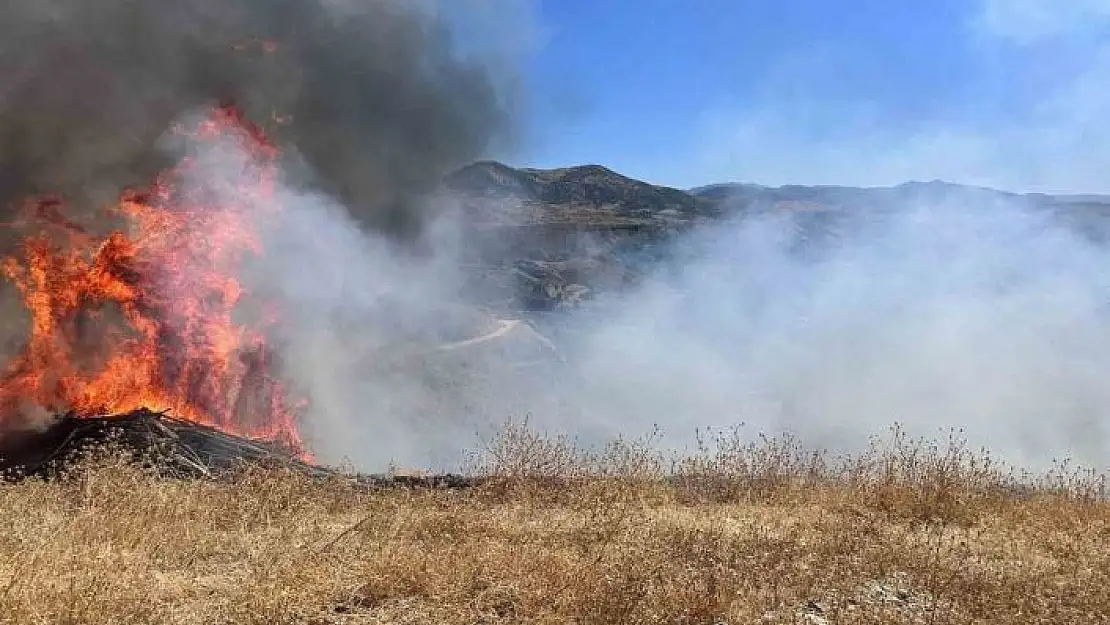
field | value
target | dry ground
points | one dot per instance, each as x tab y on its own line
734	533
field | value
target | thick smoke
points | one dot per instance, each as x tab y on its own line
369	96
953	310
371	101
370	330
955	313
965	311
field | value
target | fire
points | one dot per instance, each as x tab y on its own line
143	317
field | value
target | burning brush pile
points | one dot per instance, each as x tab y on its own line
134	340
145	147
132	335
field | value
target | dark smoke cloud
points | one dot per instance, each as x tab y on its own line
380	105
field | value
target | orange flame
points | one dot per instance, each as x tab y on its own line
172	280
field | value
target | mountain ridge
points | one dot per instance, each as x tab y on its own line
580	185
597	185
546	238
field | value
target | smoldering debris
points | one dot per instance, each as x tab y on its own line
173	448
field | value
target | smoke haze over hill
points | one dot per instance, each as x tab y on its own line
939	307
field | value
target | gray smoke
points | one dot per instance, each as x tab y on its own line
957	312
370	97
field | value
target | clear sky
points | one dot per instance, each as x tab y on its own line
1007	93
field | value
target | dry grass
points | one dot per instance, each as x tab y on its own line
738	532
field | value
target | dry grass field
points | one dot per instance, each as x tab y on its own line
736	532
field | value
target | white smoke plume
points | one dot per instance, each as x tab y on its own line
954	310
957	314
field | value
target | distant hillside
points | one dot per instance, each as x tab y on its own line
549	235
541	239
588	190
742	195
601	188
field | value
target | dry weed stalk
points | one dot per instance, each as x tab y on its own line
737	531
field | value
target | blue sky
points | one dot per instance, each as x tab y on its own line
1007	93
